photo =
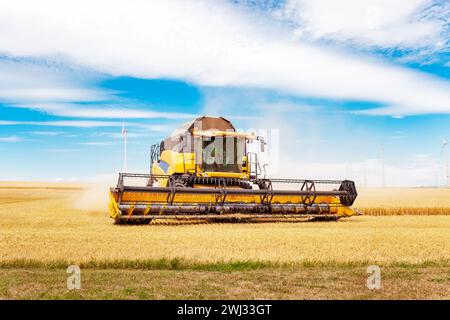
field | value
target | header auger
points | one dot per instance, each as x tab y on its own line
204	172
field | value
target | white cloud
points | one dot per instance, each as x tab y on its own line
398	137
382	23
62	150
422	170
96	143
208	43
119	135
89	124
67	123
56	91
98	110
12	139
24	81
47	133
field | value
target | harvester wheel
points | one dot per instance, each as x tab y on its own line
348	186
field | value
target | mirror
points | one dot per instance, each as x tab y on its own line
263	143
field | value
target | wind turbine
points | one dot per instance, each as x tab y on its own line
125	157
445	158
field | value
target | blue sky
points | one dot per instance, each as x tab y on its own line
339	81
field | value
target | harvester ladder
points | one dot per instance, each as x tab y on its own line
252	159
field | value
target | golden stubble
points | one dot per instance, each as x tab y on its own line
45	224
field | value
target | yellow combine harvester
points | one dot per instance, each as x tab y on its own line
204	172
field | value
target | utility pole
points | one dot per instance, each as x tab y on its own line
125	151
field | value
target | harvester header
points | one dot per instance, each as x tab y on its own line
204	172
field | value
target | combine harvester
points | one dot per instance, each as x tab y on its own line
203	172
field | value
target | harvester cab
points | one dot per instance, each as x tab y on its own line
206	148
204	171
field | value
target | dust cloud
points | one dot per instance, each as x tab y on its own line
95	195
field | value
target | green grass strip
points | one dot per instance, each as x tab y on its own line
224	266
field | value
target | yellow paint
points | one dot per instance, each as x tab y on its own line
147	210
114	210
130	210
226	175
215	133
179	163
172	162
187	198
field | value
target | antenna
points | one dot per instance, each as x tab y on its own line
445	158
125	157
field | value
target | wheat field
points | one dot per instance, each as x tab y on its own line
403	201
50	223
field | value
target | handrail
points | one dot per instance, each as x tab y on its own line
274	180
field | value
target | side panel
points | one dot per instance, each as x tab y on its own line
113	206
178	162
158	169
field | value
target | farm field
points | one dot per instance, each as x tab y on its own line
403	201
46	227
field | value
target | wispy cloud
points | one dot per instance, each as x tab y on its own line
119	135
101	111
398	137
61	92
411	24
250	52
96	143
12	139
422	170
62	150
74	123
47	133
144	128
25	81
307	141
